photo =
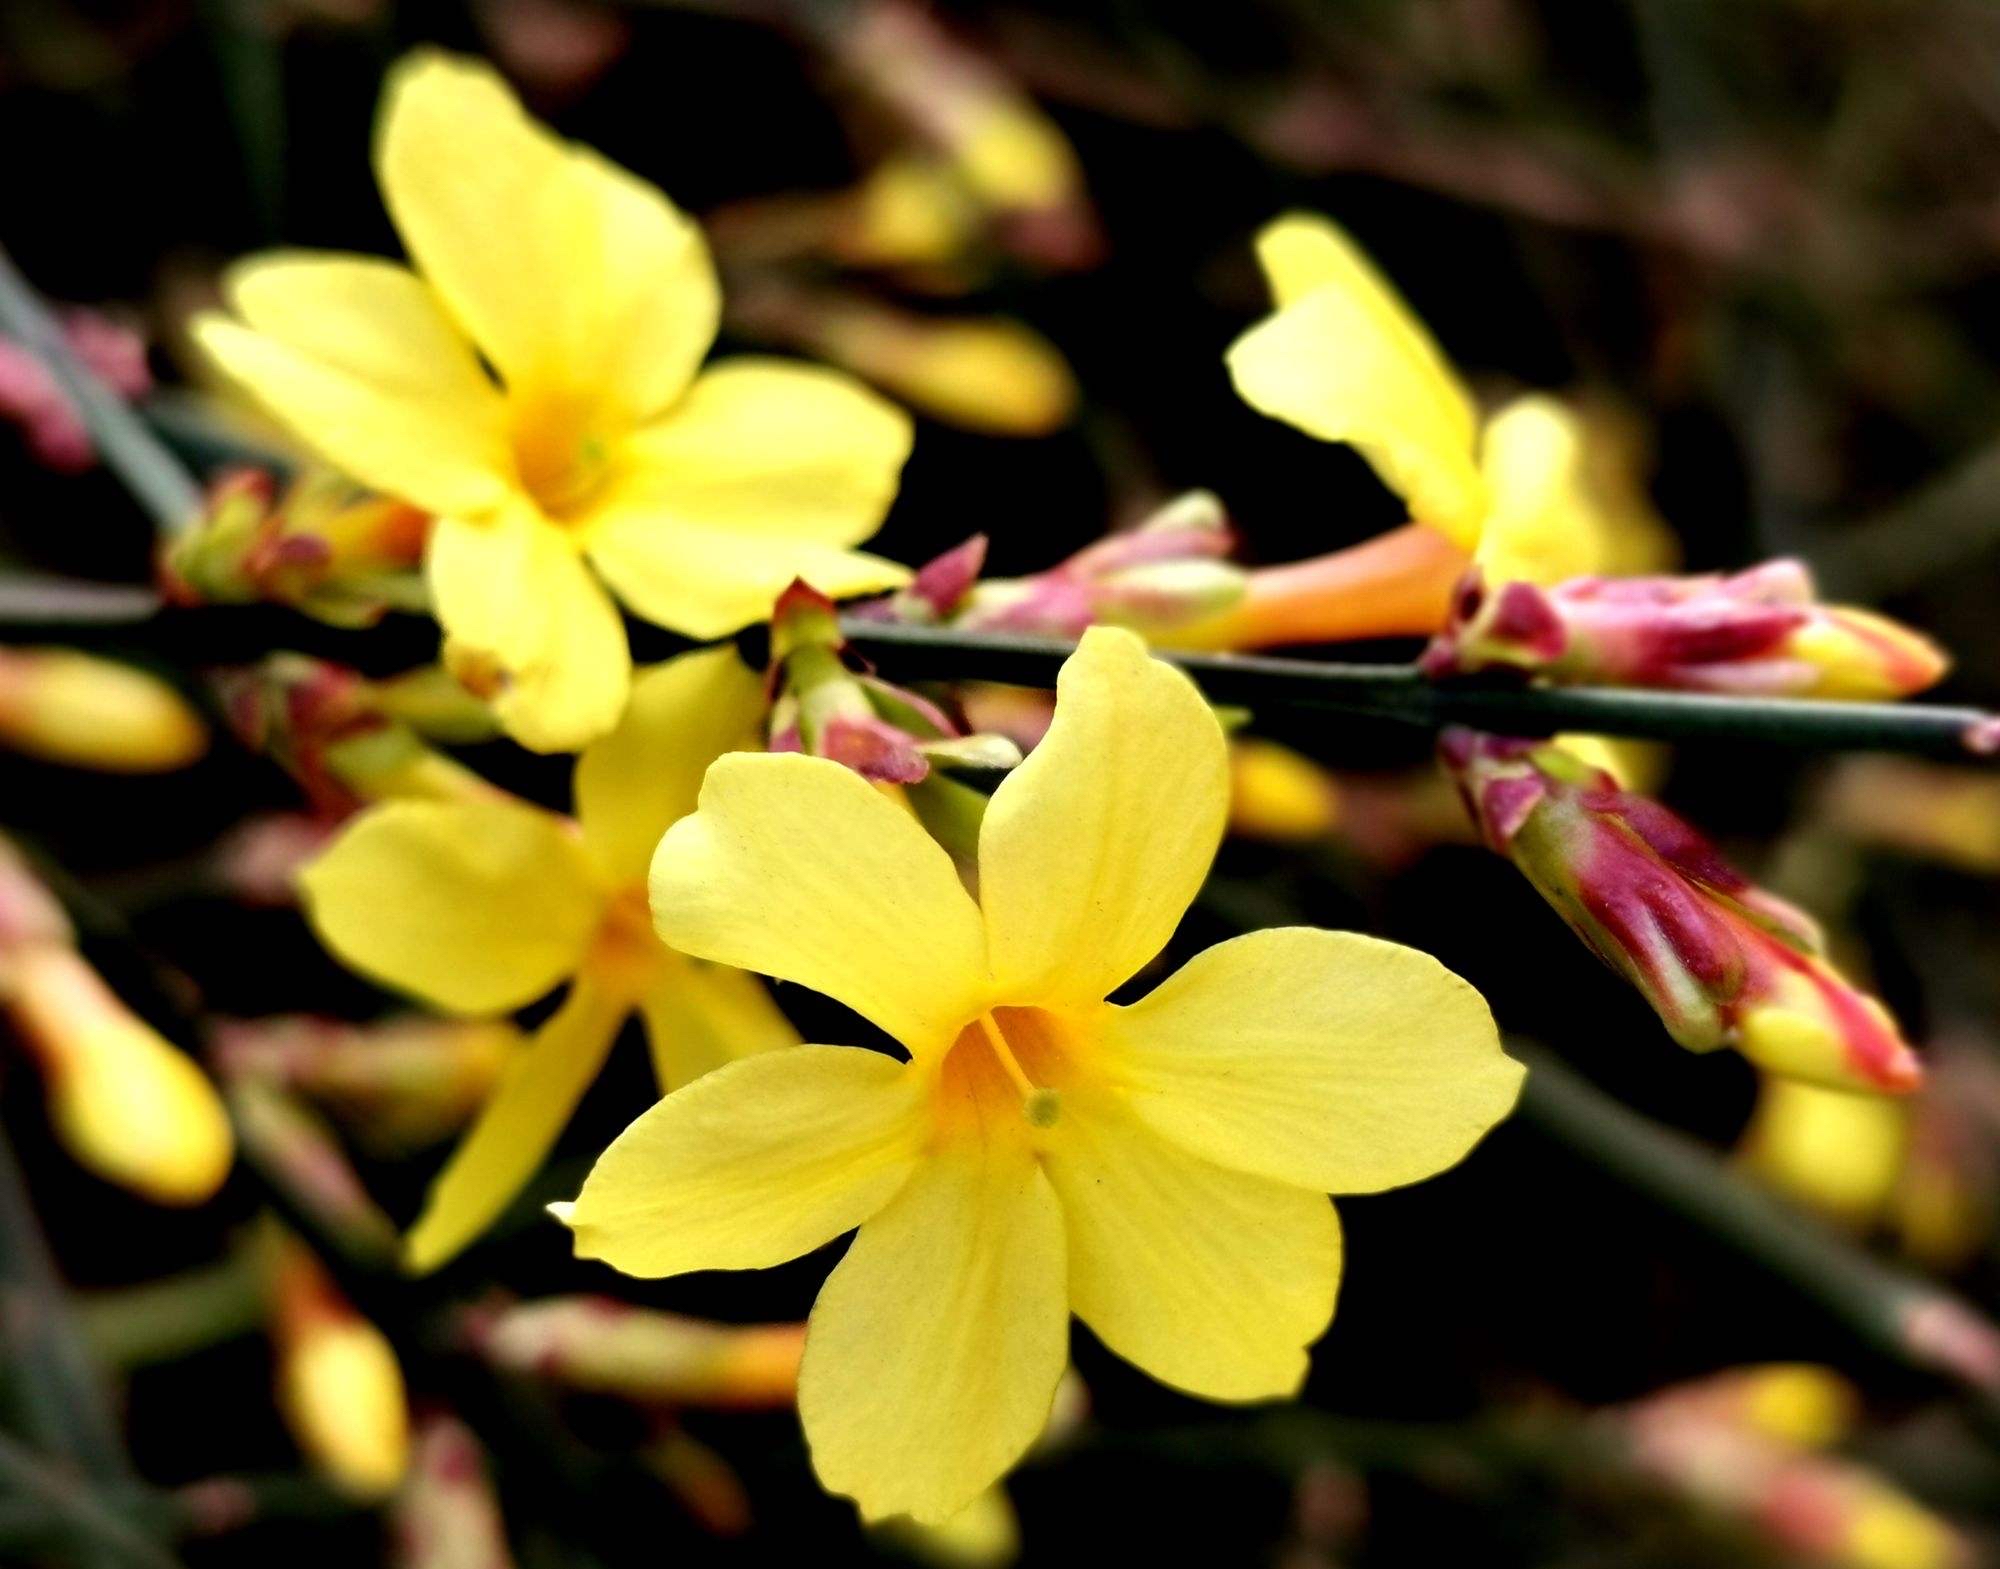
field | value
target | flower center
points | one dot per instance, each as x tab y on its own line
561	452
1007	1067
625	951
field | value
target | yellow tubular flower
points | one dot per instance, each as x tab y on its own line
482	906
601	452
1158	1168
1345	359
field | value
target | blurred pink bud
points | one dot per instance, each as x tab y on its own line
1721	961
1756	633
31	398
603	1346
447	1515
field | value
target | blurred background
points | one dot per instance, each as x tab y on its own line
1759	239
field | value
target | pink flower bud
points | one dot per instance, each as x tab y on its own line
1756	633
827	702
1167	574
1722	962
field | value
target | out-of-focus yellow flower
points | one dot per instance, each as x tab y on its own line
599	453
68	707
340	1388
1920	808
910	211
1159	1168
1275	793
480	907
1345	359
985	373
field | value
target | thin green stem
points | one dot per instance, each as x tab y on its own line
1908	1318
155	477
1402	695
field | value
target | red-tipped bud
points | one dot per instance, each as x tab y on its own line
825	701
322	547
1756	633
1745	1444
347	740
447	1516
1721	961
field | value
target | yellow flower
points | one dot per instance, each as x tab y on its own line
1158	1168
599	452
1345	359
481	906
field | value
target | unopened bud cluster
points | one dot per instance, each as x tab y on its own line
1721	961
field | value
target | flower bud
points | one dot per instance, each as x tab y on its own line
447	1516
340	735
825	702
397	1085
1756	633
32	398
1744	1445
124	1102
1721	961
339	1386
603	1346
323	547
1164	575
67	707
295	1148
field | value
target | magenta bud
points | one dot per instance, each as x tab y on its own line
1757	633
1721	961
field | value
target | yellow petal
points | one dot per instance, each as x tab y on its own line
699	1016
797	867
1095	846
770	448
1344	359
1212	1281
1543	525
519	1124
703	583
934	1351
474	906
1303	251
355	358
523	615
1338	1062
573	275
647	773
753	1164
